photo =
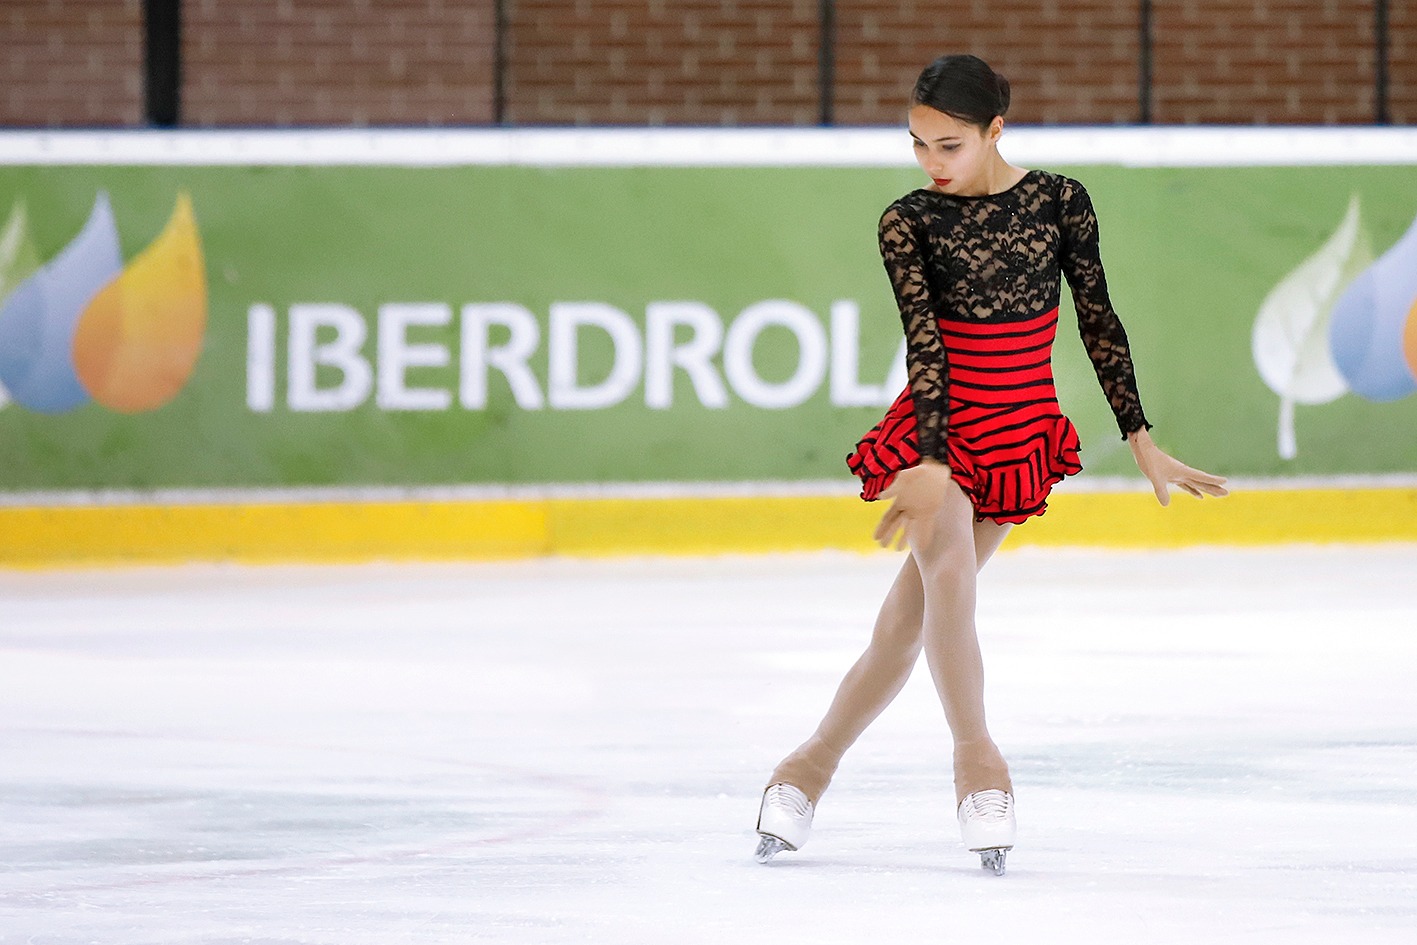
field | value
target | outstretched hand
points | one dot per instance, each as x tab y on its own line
916	494
1163	470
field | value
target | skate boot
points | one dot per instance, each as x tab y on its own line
784	820
987	825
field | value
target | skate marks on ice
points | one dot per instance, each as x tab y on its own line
215	807
556	752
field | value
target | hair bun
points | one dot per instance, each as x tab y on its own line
1003	84
964	87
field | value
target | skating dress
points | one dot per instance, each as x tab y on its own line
977	280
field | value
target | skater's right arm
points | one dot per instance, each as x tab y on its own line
901	252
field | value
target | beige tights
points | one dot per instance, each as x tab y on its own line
931	607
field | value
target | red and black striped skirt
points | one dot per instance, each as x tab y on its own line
1007	441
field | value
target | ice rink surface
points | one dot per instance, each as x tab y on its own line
1207	745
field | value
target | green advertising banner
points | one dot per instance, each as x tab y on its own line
289	326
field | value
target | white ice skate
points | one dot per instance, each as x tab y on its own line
987	825
784	820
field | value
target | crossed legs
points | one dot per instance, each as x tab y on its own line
930	607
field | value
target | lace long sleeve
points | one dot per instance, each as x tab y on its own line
1098	324
925	355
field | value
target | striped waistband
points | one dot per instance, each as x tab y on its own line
1021	328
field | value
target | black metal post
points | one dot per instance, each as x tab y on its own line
162	86
826	61
1381	114
1144	64
499	62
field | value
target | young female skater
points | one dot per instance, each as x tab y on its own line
976	441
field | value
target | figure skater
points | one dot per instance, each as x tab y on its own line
976	440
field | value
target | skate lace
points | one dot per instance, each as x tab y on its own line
988	805
790	799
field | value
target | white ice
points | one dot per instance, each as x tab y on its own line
1207	746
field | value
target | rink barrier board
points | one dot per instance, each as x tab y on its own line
242	526
766	146
312	242
333	531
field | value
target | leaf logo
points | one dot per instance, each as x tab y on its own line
18	259
1290	340
1374	328
84	327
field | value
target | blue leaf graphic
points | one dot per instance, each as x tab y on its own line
38	320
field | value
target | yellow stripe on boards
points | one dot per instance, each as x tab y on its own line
1261	517
319	532
710	525
58	536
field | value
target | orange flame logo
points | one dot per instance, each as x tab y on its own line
84	327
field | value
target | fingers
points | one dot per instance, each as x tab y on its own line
916	495
900	528
1210	485
891	522
892	539
1200	484
1209	488
903	539
1162	495
884	527
1199	488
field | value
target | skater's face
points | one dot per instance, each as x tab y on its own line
954	153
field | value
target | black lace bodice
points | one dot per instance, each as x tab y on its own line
998	258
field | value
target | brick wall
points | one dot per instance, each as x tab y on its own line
663	62
699	62
1066	60
1272	61
67	63
337	62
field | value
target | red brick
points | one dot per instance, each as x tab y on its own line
700	61
321	61
1213	61
72	64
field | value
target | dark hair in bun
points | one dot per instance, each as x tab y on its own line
963	87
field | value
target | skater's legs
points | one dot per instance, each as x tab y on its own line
988	536
877	676
869	686
947	559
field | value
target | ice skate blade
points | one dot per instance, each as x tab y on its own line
768	847
993	859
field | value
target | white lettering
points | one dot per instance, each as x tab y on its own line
812	354
260	358
397	355
478	353
564	389
896	378
662	354
342	354
846	387
324	342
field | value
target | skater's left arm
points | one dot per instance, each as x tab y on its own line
1107	346
1163	470
1098	324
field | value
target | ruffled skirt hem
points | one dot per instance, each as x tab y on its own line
1008	482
